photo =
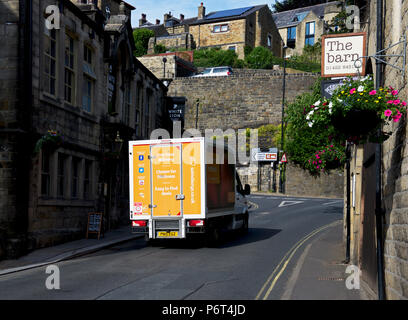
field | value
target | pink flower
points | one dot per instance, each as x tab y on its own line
404	103
352	91
390	101
397	102
320	161
396	119
394	92
387	112
317	167
374	92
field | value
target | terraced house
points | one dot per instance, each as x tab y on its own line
69	81
305	26
231	29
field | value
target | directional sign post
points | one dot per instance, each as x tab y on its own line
258	156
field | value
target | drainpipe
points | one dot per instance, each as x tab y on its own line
348	209
378	159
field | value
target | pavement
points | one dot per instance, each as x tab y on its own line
320	271
66	251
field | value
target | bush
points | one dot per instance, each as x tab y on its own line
159	48
216	57
260	58
141	37
304	142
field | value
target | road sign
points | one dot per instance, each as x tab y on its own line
271	155
284	158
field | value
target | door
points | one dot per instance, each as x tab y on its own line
166	178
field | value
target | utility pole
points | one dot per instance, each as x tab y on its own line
282	167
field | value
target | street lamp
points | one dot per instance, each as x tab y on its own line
164	67
117	145
281	168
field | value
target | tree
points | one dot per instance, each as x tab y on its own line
285	5
141	37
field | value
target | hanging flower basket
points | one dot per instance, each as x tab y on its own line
356	111
356	122
50	141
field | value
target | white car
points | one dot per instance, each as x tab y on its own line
215	72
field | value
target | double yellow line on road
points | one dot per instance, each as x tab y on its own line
274	277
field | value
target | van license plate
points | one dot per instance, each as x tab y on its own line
169	234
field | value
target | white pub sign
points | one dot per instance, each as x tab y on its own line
342	54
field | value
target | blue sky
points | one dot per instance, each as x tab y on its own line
157	8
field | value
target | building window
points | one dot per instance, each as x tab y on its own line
61	175
233	48
87	93
269	41
69	86
45	174
221	28
75	177
50	61
87	55
87	179
310	33
291	41
127	101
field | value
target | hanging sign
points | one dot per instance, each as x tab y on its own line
342	54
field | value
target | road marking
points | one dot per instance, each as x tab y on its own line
265	213
332	202
289	203
285	261
253	205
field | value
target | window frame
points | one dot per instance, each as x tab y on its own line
220	27
310	37
69	69
49	58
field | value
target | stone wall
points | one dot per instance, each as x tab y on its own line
9	97
245	100
250	99
395	164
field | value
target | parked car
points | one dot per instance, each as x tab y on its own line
215	72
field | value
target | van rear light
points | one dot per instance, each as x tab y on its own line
228	73
196	223
139	223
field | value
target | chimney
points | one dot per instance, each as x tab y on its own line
157	21
143	20
167	16
181	17
201	11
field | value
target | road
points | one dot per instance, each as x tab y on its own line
240	268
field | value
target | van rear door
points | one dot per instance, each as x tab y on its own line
166	181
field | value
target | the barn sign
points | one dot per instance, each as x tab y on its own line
342	54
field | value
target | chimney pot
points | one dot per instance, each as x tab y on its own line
201	11
157	21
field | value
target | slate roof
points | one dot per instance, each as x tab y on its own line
288	18
208	19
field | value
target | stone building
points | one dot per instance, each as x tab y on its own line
305	26
394	174
228	29
68	74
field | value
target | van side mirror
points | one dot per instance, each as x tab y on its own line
247	189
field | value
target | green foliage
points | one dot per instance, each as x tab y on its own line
247	50
302	141
285	5
260	58
141	37
263	58
159	48
215	57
